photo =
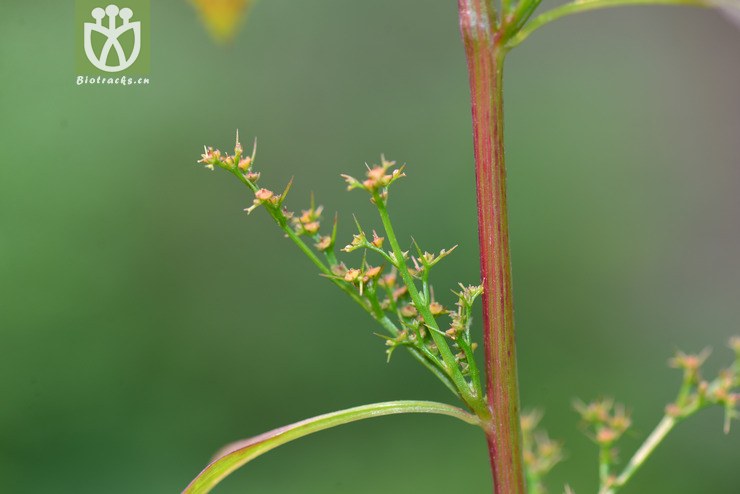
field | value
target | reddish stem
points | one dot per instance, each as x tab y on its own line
485	58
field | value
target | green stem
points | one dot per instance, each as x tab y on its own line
687	406
485	54
665	426
430	363
422	305
605	460
523	12
534	483
472	365
580	6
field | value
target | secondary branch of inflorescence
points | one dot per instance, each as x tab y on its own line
606	422
392	285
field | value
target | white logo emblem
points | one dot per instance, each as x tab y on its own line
112	32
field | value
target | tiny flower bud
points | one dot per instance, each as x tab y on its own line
352	275
324	244
408	311
339	269
245	163
377	241
312	228
530	420
389	280
689	363
436	308
606	436
673	410
264	194
228	162
400	292
210	157
373	273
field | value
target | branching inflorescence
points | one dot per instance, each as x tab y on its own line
390	284
606	421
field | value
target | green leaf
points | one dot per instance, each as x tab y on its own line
728	7
237	454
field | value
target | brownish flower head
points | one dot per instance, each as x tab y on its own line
400	292
673	410
210	157
373	272
324	244
245	163
408	310
606	436
620	420
377	241
312	228
339	269
436	309
263	194
530	420
352	275
596	412
689	362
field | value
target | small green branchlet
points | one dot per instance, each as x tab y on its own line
402	300
607	422
697	393
540	453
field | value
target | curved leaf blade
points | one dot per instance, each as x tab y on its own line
237	454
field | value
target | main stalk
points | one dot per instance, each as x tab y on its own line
485	56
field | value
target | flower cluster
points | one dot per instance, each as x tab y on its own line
605	420
394	288
377	179
697	392
540	453
605	424
214	157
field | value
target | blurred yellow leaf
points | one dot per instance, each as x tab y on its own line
222	17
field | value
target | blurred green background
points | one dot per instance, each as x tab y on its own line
145	320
